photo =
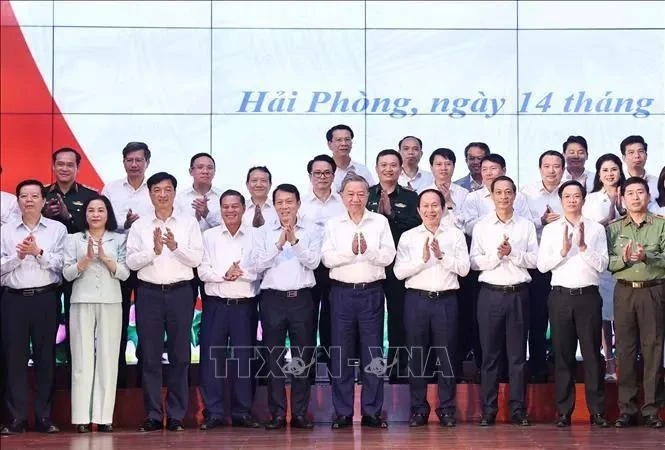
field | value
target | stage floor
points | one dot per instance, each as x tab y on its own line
398	436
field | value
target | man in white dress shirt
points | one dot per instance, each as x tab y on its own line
431	257
574	249
545	207
442	161
576	152
32	250
318	207
340	142
229	312
260	209
357	247
474	153
503	248
634	155
412	177
164	248
287	252
130	198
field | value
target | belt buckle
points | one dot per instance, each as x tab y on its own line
359	285
291	294
637	284
28	292
576	291
432	295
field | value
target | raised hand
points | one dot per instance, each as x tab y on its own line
169	240
627	251
436	249
505	248
130	219
28	247
638	256
567	242
200	206
282	239
362	243
384	204
158	243
291	234
355	244
549	216
581	242
426	252
234	272
85	261
64	212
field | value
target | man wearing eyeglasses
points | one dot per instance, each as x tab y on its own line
340	142
473	154
318	207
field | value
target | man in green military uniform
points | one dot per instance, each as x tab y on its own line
64	203
65	197
637	259
400	206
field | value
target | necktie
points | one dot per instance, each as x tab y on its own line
258	217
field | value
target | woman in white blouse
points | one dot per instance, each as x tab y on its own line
603	205
95	262
657	205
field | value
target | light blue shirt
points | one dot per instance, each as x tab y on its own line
96	284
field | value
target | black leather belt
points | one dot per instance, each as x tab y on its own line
31	292
232	301
371	284
575	291
290	294
641	284
433	294
506	288
164	287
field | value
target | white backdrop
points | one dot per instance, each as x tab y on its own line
174	74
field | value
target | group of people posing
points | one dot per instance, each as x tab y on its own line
472	266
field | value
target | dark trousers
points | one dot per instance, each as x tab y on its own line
357	312
225	320
431	334
468	339
539	289
576	317
639	319
24	320
395	292
157	312
128	288
503	325
282	312
321	299
65	294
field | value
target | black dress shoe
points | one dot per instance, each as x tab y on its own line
174	425
211	423
446	419
150	425
245	422
652	421
83	428
418	420
105	428
562	421
342	422
487	420
277	423
301	422
599	420
375	421
625	420
521	419
44	425
15	427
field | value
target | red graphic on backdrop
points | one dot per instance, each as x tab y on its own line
31	124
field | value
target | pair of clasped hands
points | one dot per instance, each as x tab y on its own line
28	247
160	239
89	256
430	248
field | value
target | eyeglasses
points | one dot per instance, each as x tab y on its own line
324	174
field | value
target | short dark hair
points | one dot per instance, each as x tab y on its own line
634	180
329	133
634	139
661	188
262	169
322	158
135	147
111	223
445	153
286	187
159	177
495	158
481	145
504	178
388	152
200	155
551	153
232	193
65	150
31	182
432	191
572	183
399	145
597	184
575	140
